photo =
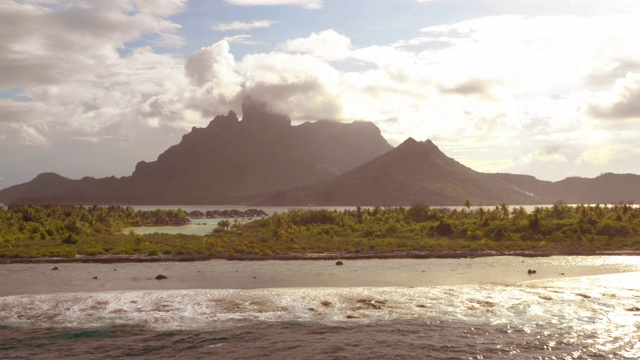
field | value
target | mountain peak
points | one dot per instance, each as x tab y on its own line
409	141
48	176
257	112
426	146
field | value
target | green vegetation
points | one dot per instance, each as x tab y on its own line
36	232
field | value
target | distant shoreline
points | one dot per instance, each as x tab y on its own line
111	259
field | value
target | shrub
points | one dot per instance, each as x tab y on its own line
71	239
93	251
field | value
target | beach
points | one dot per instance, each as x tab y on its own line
572	307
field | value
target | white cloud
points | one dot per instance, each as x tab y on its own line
48	45
513	86
301	86
608	153
29	135
307	4
211	64
326	44
244	26
620	102
160	8
239	39
547	154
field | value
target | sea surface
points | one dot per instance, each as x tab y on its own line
485	308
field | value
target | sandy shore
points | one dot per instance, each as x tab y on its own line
110	259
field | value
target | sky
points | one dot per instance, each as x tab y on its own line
549	88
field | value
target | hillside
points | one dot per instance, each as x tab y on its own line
264	160
414	172
229	161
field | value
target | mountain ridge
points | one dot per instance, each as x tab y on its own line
263	159
413	172
228	161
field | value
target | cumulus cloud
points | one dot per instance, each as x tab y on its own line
327	44
211	64
548	153
50	44
621	102
493	83
299	85
608	153
307	4
477	87
30	135
243	26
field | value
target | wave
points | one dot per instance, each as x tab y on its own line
574	306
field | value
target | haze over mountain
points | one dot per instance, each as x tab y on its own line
265	160
418	172
227	162
414	172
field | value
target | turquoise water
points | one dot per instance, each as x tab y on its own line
198	227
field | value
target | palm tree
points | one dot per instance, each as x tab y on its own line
504	209
224	224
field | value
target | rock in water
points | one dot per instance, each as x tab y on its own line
161	277
339	262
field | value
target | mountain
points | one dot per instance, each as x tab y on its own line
229	161
414	172
418	172
607	188
264	160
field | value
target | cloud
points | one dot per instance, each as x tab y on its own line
327	44
29	135
608	153
479	87
548	153
50	44
244	26
215	82
307	4
301	86
94	139
621	102
514	86
113	102
211	64
239	39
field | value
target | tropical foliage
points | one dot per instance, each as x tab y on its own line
34	232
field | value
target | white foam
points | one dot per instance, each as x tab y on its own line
565	304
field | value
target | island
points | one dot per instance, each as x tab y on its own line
93	234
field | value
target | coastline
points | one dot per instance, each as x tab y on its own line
111	259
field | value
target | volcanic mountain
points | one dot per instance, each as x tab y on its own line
414	172
264	160
229	161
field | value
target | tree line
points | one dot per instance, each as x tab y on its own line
33	232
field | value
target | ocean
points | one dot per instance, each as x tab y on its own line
485	308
